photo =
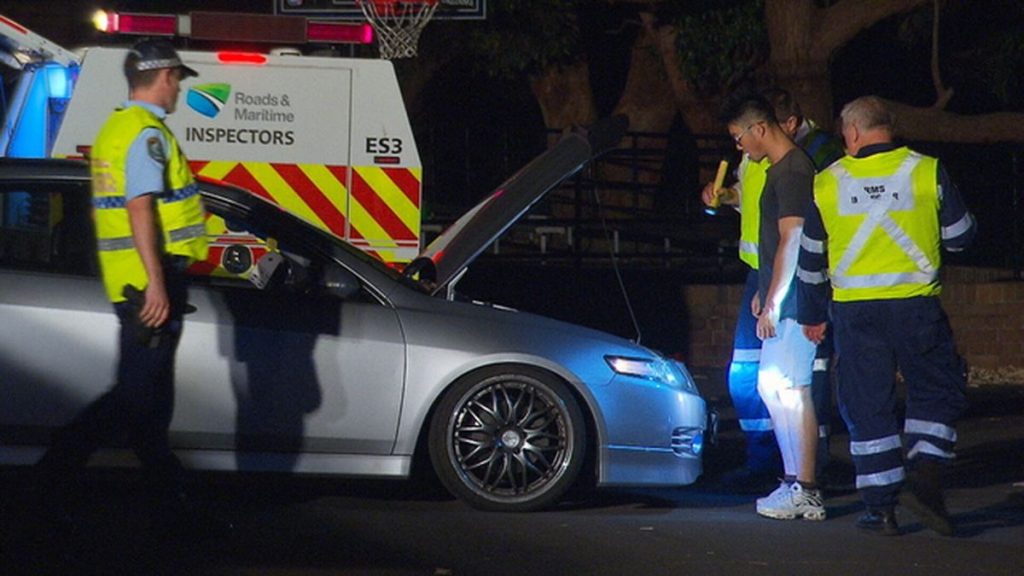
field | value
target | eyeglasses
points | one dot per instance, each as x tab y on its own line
740	136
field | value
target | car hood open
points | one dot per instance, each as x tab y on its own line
467	237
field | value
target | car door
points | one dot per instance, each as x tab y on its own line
58	333
282	379
288	377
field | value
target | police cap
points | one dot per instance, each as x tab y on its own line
154	55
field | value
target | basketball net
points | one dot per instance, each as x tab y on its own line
398	24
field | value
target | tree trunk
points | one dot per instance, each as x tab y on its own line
647	97
647	101
698	112
565	95
798	62
803	38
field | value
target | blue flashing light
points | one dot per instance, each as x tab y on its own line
29	139
41	111
58	81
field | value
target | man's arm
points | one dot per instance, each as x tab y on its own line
144	181
783	268
146	234
812	277
958	224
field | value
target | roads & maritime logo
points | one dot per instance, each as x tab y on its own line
208	99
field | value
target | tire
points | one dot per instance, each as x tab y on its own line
508	439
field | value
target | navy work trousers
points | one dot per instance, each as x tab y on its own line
873	340
762	451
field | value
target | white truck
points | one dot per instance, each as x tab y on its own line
327	138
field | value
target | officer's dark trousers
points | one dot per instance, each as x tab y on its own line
873	339
821	394
137	410
762	451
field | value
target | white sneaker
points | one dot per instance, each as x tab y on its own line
779	497
798	502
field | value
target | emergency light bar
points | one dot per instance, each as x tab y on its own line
233	27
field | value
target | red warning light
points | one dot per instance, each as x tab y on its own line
242	58
129	23
339	32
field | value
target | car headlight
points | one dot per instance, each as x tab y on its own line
664	371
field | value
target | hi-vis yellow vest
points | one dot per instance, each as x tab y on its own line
881	213
753	176
179	208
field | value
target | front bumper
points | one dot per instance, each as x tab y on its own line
654	434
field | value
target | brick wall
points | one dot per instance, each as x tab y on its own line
985	310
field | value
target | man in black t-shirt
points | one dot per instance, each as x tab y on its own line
787	356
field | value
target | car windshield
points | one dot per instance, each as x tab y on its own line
289	232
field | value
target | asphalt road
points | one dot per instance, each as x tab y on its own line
289	526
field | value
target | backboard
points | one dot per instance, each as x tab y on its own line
349	9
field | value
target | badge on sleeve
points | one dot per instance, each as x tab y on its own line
155	148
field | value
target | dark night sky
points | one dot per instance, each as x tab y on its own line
879	61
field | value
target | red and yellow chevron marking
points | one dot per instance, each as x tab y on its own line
381	215
220	241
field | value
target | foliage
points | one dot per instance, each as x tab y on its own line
721	43
1005	57
526	36
981	48
997	55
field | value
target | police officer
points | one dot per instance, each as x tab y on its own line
150	227
762	464
879	217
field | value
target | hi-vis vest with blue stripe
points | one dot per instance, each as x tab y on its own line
179	208
752	175
882	217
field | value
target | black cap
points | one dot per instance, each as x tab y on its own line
154	55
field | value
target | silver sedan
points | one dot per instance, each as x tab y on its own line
325	361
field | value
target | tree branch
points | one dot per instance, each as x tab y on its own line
942	94
935	125
844	20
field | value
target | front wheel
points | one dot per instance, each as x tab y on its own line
508	439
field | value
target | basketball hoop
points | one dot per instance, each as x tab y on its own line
398	24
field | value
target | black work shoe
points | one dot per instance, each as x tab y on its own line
924	496
880	521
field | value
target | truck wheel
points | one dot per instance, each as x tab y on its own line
508	439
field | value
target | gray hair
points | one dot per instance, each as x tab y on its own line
869	113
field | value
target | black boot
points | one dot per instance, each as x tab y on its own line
880	520
924	495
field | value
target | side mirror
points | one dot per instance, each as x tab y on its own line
339	282
270	272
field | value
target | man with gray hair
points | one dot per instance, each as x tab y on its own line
879	217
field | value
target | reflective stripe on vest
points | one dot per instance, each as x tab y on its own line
752	178
881	214
179	208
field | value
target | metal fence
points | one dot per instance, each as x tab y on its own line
641	202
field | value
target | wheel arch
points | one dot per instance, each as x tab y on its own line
422	467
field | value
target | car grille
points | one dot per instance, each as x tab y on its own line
688	441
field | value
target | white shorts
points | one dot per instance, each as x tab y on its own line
787	360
